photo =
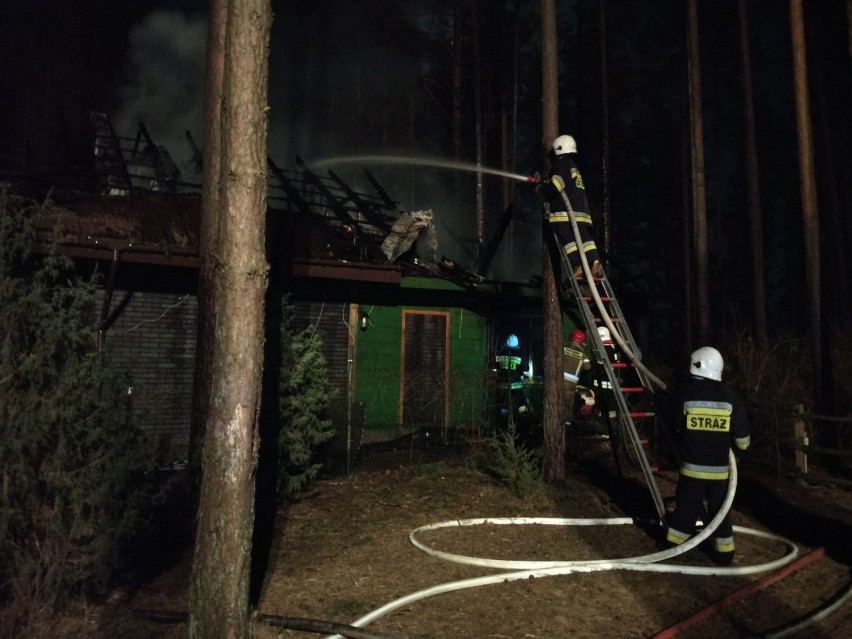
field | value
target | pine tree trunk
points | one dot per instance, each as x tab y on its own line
807	179
849	24
215	61
686	240
458	56
511	154
699	203
753	185
605	212
553	463
838	309
479	141
219	588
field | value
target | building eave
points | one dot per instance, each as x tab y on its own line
125	253
339	270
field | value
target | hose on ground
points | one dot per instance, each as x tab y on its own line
818	615
317	626
529	569
320	626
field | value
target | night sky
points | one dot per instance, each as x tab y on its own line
378	81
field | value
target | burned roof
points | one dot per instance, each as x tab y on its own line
149	226
132	204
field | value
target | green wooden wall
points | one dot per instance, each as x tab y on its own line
379	365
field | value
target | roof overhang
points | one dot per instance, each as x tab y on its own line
124	253
341	270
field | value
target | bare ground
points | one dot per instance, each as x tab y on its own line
342	550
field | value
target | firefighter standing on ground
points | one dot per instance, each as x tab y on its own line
513	405
711	422
565	176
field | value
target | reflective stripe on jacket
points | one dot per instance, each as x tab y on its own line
711	421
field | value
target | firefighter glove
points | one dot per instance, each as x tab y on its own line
551	187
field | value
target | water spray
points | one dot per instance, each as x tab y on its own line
443	164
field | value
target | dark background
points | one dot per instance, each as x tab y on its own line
375	79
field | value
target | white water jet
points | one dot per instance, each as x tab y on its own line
391	159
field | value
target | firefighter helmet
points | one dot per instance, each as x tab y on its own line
564	144
577	337
707	362
512	341
603	333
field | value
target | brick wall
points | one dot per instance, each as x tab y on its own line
153	343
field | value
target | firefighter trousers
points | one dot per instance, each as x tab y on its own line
692	496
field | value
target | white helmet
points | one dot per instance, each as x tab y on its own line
603	333
564	144
707	362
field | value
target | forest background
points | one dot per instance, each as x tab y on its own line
452	89
450	80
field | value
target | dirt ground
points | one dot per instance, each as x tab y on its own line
342	550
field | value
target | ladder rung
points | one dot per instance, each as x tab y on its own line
581	289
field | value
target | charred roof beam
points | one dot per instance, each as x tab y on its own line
373	215
293	195
389	202
334	204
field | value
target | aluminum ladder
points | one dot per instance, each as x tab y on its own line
631	387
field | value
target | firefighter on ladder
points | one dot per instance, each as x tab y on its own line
565	176
602	382
712	420
574	362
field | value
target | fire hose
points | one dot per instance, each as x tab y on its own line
518	570
599	302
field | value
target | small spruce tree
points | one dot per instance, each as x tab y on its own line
303	396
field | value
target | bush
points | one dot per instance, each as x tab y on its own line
303	395
73	475
516	465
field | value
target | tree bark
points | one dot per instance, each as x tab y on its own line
219	588
553	418
686	239
837	307
458	59
212	145
753	185
479	134
699	203
849	24
807	179
605	212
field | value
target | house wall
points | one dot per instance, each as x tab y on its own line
377	373
152	343
379	367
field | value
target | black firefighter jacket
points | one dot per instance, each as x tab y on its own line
712	421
